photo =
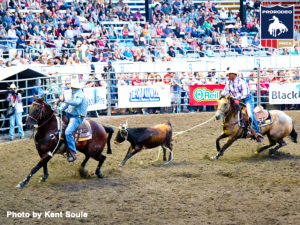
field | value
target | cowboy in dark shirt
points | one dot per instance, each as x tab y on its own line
171	52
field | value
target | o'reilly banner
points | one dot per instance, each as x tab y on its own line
206	94
284	93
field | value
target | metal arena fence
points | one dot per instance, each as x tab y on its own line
110	81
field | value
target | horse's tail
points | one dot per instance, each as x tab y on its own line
294	135
110	132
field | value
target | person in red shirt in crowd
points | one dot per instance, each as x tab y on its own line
167	81
167	77
137	81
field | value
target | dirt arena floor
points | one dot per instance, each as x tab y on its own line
239	188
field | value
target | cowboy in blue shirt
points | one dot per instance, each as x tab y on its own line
76	109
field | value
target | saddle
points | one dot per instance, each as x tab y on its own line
82	133
262	116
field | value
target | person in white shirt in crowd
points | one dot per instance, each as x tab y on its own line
131	26
169	41
16	60
138	28
97	31
11	34
69	33
82	19
86	27
223	14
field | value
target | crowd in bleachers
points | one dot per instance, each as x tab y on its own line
60	33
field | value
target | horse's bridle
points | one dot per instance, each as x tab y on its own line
224	113
40	114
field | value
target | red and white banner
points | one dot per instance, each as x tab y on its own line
206	94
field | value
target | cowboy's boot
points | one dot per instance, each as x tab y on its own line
71	155
258	137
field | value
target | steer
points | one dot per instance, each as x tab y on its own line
145	138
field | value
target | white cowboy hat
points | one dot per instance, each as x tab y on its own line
1	59
12	86
232	70
75	84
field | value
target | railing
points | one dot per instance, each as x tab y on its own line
179	103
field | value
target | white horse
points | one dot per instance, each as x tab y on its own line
277	25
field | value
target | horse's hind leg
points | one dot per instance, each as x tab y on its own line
271	143
98	170
82	171
46	174
273	150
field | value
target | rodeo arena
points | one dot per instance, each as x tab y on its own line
149	112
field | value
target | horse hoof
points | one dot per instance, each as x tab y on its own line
100	176
19	185
256	153
214	158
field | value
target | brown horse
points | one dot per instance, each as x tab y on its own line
281	127
47	136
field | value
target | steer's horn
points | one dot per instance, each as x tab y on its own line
127	122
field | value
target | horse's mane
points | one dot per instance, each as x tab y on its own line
235	107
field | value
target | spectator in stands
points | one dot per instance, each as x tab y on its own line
223	14
214	9
11	34
127	53
177	6
171	53
256	42
3	33
253	28
295	51
244	29
285	52
125	32
21	43
137	16
167	9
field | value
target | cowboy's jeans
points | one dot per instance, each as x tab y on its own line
249	101
15	118
74	122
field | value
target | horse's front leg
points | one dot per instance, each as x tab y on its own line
218	141
46	174
41	163
229	141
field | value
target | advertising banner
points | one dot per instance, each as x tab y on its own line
277	26
96	97
206	94
143	96
284	93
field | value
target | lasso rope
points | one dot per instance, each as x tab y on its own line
55	90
